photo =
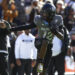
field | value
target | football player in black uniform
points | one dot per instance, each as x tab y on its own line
4	31
49	24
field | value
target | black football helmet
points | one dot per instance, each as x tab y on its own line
68	11
48	11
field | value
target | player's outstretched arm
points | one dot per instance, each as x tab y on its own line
23	27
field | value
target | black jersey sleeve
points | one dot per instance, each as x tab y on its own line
23	27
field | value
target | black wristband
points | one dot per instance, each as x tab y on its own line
40	60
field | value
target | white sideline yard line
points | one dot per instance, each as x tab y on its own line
70	73
67	73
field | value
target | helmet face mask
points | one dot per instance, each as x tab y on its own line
44	15
48	11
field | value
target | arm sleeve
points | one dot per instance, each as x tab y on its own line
23	27
17	48
56	27
57	33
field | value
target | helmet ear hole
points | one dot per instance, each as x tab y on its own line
49	10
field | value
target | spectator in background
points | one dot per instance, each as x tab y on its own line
21	18
32	10
11	12
60	7
3	7
4	4
12	60
24	52
69	18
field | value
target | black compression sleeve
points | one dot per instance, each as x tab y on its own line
4	31
57	33
23	27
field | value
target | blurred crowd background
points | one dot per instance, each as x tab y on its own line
19	12
23	11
